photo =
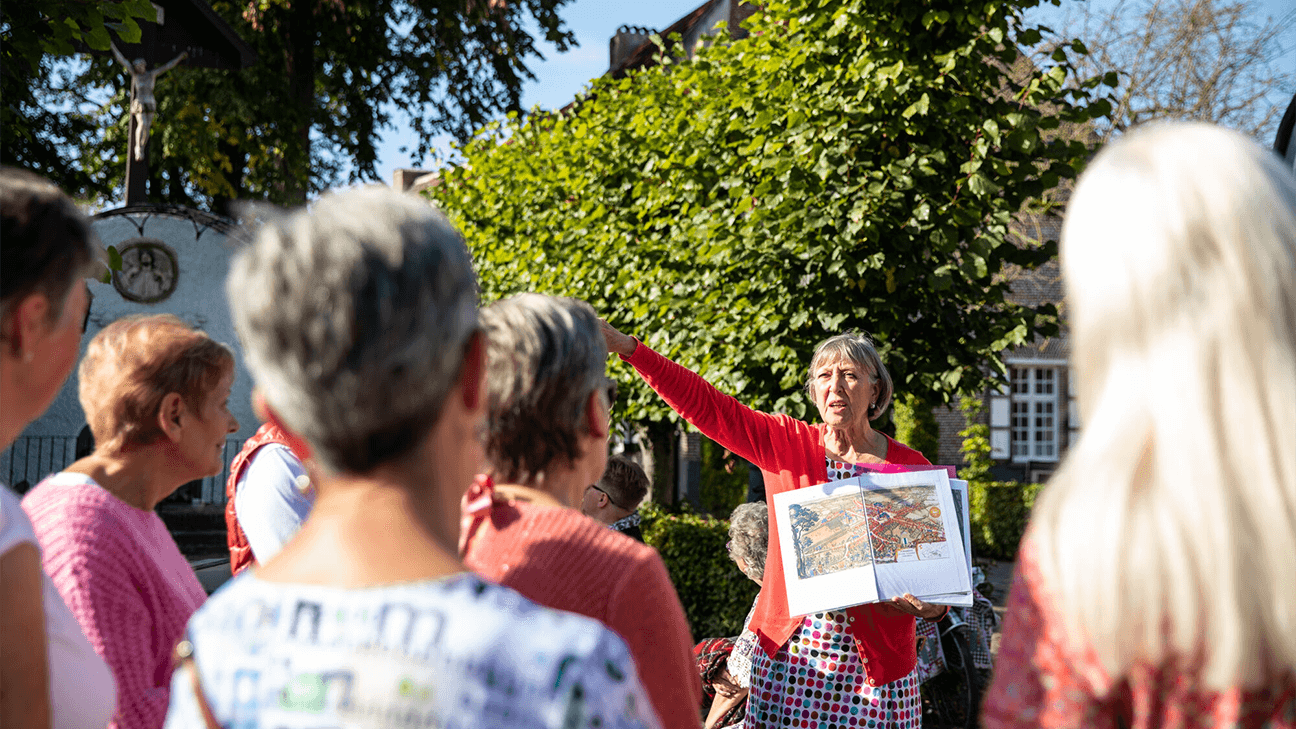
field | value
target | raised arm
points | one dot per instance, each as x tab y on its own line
170	64
759	437
121	59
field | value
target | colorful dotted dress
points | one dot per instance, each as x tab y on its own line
817	680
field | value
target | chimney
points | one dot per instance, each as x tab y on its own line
628	39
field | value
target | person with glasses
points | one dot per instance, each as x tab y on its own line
855	663
548	421
614	500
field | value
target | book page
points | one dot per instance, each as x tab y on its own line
827	557
915	533
964	520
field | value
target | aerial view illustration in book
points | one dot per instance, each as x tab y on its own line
828	535
903	525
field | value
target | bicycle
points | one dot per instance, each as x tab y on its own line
957	666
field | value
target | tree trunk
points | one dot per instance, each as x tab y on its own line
663	442
301	69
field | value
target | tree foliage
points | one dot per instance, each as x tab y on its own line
916	426
1217	61
852	164
308	114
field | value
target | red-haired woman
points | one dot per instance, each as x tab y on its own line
155	392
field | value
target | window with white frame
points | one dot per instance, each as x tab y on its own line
1034	406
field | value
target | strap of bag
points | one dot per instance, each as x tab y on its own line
184	659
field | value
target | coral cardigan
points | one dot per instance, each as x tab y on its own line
562	559
791	455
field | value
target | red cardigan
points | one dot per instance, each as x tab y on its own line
791	455
565	560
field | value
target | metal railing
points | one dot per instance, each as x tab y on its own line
33	457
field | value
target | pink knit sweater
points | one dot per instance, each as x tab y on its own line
123	577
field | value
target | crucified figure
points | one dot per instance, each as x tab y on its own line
143	104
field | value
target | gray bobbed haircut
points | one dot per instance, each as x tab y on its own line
859	349
354	317
749	537
545	356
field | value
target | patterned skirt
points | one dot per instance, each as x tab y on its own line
817	681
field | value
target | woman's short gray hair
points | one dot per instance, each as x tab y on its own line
354	316
749	538
545	356
859	349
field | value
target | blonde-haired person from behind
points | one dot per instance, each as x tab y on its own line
1156	586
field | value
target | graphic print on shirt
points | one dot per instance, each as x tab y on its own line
460	652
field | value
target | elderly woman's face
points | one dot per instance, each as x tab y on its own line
843	392
204	437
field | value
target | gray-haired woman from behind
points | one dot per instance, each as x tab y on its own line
359	323
549	401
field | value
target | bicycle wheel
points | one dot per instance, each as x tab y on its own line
952	699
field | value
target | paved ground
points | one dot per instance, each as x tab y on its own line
998	574
212	573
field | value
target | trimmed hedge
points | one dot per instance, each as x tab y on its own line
1000	512
715	595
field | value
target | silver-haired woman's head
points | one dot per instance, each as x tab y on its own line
545	357
354	316
749	538
858	350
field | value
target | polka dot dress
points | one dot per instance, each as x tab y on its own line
817	679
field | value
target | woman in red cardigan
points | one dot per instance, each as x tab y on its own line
848	668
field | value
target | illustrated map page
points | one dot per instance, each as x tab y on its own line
882	526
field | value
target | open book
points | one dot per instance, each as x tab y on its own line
873	537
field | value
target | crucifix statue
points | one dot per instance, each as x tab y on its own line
143	104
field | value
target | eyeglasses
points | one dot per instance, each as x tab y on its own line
85	322
611	500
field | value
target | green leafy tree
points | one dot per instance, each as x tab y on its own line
32	34
915	425
308	114
723	479
851	164
976	446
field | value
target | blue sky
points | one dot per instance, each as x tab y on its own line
562	75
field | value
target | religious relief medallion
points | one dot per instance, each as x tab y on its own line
149	271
